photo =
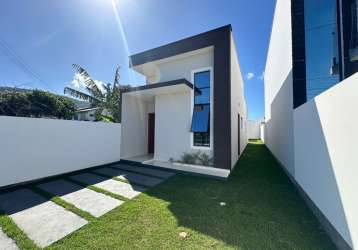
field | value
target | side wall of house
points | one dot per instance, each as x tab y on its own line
238	106
134	127
34	148
326	159
278	88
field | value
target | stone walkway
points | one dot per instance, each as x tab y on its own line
6	243
45	222
96	204
129	176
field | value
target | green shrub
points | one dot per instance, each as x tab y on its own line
196	158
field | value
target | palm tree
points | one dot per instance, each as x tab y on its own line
106	99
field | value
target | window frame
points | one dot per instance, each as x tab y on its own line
211	137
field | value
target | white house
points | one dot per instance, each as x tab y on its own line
193	101
311	100
86	114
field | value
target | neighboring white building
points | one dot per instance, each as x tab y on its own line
86	114
311	100
193	101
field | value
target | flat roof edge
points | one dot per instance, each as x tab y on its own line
160	85
178	47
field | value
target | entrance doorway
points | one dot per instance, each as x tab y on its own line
151	132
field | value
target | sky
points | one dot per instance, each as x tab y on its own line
41	39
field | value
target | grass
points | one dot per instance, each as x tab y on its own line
263	211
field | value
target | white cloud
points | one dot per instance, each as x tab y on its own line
78	82
250	75
100	85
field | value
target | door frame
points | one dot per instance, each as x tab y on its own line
151	133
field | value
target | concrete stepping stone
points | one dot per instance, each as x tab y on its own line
129	176
95	203
6	243
144	170
43	221
124	189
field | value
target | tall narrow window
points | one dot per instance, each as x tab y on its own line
322	46
201	114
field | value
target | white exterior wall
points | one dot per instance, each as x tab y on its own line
326	159
172	126
278	88
32	148
238	106
89	115
182	68
134	126
262	132
171	106
254	129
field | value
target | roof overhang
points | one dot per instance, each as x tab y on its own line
183	46
151	68
147	92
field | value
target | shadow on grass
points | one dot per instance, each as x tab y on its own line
257	208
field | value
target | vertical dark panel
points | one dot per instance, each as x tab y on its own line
222	100
351	67
298	53
340	33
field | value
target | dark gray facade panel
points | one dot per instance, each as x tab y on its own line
200	41
160	85
222	101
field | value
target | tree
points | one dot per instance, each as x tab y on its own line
105	100
36	103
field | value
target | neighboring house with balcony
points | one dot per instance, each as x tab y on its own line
193	101
311	100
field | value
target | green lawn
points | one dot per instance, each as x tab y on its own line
263	211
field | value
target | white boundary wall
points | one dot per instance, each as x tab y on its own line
326	155
32	148
317	142
254	129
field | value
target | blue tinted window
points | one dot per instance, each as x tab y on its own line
321	34
200	122
201	115
202	79
203	97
